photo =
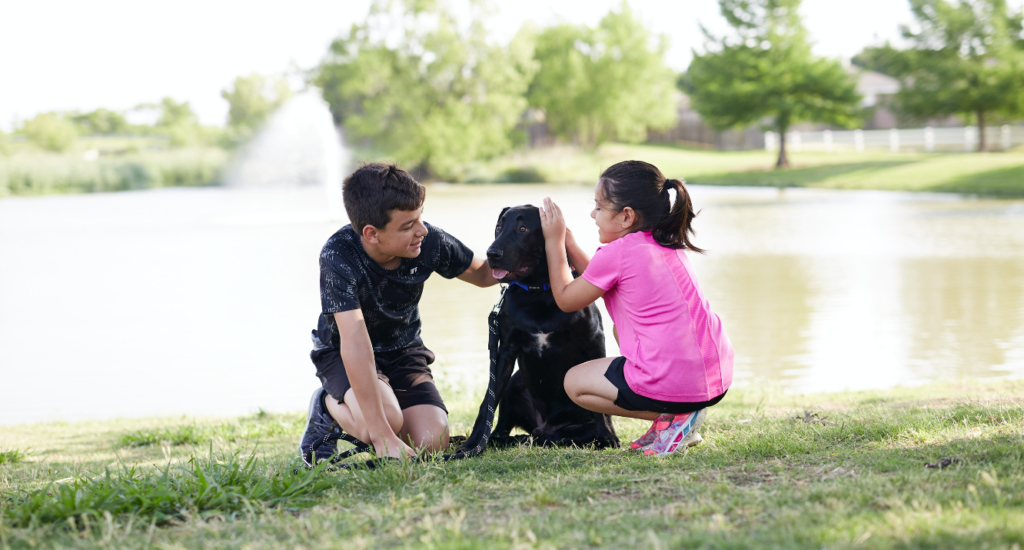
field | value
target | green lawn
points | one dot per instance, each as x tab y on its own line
776	470
981	173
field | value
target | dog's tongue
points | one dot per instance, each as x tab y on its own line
499	274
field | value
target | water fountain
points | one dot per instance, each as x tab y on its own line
298	146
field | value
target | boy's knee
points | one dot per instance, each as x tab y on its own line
395	417
431	438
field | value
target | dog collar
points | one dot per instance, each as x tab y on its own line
545	286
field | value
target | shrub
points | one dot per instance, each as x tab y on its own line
47	173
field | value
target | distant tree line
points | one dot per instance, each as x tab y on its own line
964	58
436	93
251	100
433	93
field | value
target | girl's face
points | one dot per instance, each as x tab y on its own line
611	224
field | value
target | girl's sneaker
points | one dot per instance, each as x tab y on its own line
651	436
678	435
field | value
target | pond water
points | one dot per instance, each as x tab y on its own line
200	301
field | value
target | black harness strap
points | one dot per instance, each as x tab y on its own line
485	419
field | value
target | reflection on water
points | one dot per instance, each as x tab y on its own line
964	316
200	301
767	302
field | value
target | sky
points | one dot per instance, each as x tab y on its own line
74	55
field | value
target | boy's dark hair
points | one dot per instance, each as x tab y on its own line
375	189
642	187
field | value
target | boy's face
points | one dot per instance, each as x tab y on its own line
403	235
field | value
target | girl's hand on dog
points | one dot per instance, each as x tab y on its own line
552	222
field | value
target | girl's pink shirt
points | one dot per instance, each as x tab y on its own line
675	347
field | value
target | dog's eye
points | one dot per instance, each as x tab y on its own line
522	229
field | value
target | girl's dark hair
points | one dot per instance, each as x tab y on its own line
641	186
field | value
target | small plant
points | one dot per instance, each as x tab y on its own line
258	426
179	435
11	456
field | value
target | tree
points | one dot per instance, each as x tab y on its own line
101	121
603	83
766	71
965	58
179	123
51	131
251	100
432	94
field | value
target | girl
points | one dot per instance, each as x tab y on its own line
677	360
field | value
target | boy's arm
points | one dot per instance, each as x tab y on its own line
357	356
479	274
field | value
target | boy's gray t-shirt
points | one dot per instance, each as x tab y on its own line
389	298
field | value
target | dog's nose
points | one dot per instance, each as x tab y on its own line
494	254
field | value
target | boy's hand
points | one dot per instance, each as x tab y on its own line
552	222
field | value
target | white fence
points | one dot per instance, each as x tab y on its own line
919	139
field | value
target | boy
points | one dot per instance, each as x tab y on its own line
372	365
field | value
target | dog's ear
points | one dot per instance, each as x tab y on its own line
502	215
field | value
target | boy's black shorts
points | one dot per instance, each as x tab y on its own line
405	370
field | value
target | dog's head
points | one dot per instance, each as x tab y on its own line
517	253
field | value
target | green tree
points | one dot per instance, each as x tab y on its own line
101	121
179	123
251	100
51	131
603	83
966	58
435	95
765	71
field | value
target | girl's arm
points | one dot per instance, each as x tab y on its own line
577	257
570	295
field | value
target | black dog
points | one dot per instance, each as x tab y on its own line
544	340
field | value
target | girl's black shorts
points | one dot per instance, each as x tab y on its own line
632	401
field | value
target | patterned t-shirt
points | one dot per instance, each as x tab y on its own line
389	298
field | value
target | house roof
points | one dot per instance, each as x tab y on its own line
870	83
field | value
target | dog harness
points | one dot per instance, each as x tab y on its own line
544	286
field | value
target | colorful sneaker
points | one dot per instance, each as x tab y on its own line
651	436
321	436
679	434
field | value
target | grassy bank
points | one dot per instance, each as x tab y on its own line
39	173
775	470
983	173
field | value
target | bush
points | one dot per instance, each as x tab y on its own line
48	174
524	174
51	132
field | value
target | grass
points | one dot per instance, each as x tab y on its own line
11	456
1000	174
259	426
783	471
37	173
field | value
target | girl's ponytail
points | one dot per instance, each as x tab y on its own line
674	230
641	186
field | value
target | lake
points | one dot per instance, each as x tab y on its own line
200	301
